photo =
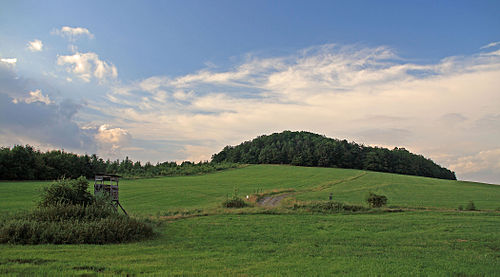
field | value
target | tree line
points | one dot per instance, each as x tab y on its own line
308	149
27	163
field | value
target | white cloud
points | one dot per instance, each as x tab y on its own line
73	33
10	61
113	136
34	96
493	44
197	153
87	66
484	160
35	46
245	75
111	140
183	95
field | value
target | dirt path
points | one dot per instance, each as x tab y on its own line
272	200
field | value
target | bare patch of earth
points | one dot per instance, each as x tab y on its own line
272	200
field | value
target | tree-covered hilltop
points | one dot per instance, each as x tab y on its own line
308	149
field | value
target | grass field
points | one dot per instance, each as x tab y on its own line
439	241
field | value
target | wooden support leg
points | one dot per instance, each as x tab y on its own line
122	207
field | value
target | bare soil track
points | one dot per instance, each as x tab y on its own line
272	200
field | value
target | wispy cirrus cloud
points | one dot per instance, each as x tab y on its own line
489	45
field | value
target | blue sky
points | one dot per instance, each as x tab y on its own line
175	80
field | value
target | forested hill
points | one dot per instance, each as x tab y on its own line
308	149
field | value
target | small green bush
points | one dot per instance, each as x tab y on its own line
235	202
460	207
66	191
470	206
376	201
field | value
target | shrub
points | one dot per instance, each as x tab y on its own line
470	206
460	207
66	191
329	207
376	201
235	202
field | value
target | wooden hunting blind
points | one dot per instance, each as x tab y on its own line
108	184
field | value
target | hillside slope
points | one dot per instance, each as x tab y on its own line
308	149
160	195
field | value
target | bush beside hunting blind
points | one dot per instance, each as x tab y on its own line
108	184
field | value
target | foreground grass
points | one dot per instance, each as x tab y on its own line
410	243
437	242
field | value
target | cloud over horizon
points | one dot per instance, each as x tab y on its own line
28	116
369	95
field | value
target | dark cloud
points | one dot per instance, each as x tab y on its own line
11	84
44	123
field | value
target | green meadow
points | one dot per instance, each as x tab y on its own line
427	237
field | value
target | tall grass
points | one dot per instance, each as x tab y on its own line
98	231
327	207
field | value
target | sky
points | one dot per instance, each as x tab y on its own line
179	80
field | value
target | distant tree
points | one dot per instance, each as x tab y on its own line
26	163
376	201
